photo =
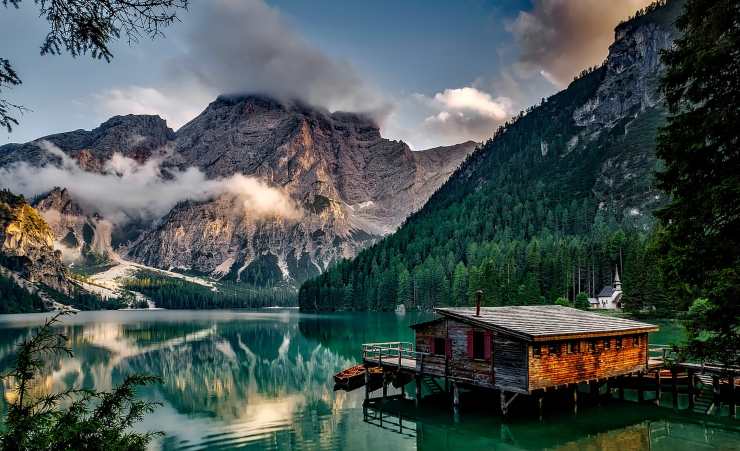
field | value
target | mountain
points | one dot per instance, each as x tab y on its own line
27	255
549	207
350	185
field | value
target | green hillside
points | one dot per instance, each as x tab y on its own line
529	217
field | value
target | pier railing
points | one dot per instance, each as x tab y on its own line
392	352
660	353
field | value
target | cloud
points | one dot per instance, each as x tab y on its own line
473	100
246	47
127	189
253	49
176	107
559	38
455	115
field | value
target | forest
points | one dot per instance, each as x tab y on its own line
523	225
172	293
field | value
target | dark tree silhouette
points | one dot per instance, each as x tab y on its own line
700	236
91	420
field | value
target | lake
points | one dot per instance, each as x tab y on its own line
263	380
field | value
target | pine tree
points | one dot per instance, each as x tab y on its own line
460	285
700	236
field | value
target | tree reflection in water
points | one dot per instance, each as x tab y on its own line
264	380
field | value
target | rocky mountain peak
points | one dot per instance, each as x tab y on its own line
352	184
26	244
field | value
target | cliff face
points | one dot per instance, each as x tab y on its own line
351	185
27	244
628	108
134	136
558	176
78	235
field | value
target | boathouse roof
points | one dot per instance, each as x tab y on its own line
546	322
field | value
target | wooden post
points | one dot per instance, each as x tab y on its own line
733	393
540	402
621	388
674	388
447	379
594	386
385	385
504	406
658	390
418	390
715	389
455	395
575	398
690	389
367	383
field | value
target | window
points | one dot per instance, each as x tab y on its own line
553	349
618	343
439	346
574	347
592	346
537	350
636	341
607	343
479	344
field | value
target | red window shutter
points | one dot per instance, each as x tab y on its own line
448	348
430	343
470	343
487	345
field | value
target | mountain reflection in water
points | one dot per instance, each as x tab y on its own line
263	380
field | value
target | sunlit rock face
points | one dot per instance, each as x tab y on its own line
350	185
26	246
78	235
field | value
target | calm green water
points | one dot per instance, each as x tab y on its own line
263	380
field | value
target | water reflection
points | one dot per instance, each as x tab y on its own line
621	427
263	380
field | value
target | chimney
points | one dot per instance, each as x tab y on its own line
478	296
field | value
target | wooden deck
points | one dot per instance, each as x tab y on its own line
398	354
395	359
405	364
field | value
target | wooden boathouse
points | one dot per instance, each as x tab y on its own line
517	350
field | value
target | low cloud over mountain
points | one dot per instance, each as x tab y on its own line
126	189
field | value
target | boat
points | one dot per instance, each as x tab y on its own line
351	378
354	377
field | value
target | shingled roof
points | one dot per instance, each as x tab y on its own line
547	322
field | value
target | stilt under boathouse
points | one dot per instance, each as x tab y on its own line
516	351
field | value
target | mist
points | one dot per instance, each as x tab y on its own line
128	190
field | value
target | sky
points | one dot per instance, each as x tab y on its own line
430	72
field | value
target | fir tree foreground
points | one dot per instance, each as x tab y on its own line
699	238
72	419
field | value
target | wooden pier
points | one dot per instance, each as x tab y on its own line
532	351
